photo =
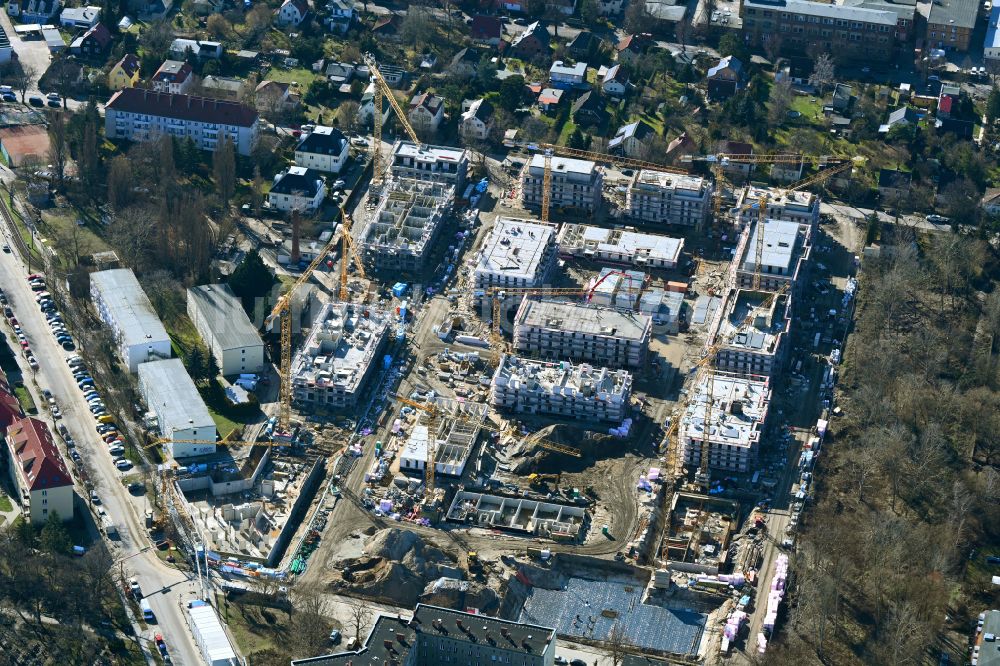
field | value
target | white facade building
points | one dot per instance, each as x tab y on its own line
558	330
517	253
786	249
323	149
123	306
560	388
620	246
181	414
785	205
736	419
415	453
668	198
438	164
297	188
752	326
136	114
38	472
226	329
576	184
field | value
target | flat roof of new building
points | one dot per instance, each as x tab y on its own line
825	10
429	153
224	313
129	305
780	244
515	248
582	318
174	396
762	331
340	347
632	243
417	445
561	378
729	423
610	283
214	642
563	164
777	196
668	180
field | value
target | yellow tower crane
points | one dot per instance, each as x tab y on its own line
382	89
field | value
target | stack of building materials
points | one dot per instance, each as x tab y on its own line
775	596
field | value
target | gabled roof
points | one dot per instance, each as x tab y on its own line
98	33
589	101
36	455
903	114
272	87
992	196
615	73
323	141
729	62
738	148
637	130
431	102
635	43
584	41
129	64
550	96
182	107
480	110
300	5
385	23
536	30
486	27
10	407
298	181
468	56
173	71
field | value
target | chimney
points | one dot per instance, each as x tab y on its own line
295	237
388	645
401	638
504	632
459	624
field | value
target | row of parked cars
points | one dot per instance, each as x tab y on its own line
48	308
15	325
107	430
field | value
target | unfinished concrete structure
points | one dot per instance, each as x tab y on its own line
399	234
435	164
620	246
786	205
787	246
617	289
668	198
755	347
342	351
453	432
518	253
699	530
663	306
581	332
555	521
736	419
576	184
577	391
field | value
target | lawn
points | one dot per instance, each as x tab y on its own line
300	75
27	403
256	629
5	503
809	106
60	227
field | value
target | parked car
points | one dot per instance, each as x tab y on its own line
123	464
35	100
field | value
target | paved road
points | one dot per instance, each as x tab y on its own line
167	588
859	214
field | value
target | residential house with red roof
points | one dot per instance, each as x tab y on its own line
426	112
38	471
486	30
10	407
134	114
92	44
292	12
173	76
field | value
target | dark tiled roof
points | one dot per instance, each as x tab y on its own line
323	141
173	71
182	107
486	27
129	64
470	628
37	455
298	181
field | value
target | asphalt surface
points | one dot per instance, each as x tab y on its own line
167	588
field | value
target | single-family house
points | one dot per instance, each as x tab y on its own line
173	76
610	7
92	44
904	115
948	98
477	120
614	83
589	109
738	149
843	98
339	73
297	188
465	64
181	48
340	16
38	472
275	97
991	201
386	26
549	99
584	46
682	145
893	186
292	12
366	109
633	46
223	87
795	71
80	17
534	41
630	140
323	149
426	112
125	73
486	30
566	76
34	11
725	79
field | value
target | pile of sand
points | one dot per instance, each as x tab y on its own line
397	568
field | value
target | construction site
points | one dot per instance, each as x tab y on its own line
557	424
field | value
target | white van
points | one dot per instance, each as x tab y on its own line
147	610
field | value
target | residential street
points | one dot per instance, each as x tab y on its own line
167	588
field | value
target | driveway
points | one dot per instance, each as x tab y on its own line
30	52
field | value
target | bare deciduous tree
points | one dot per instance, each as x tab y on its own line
823	72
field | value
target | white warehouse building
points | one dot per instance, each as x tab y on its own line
226	329
122	305
169	393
